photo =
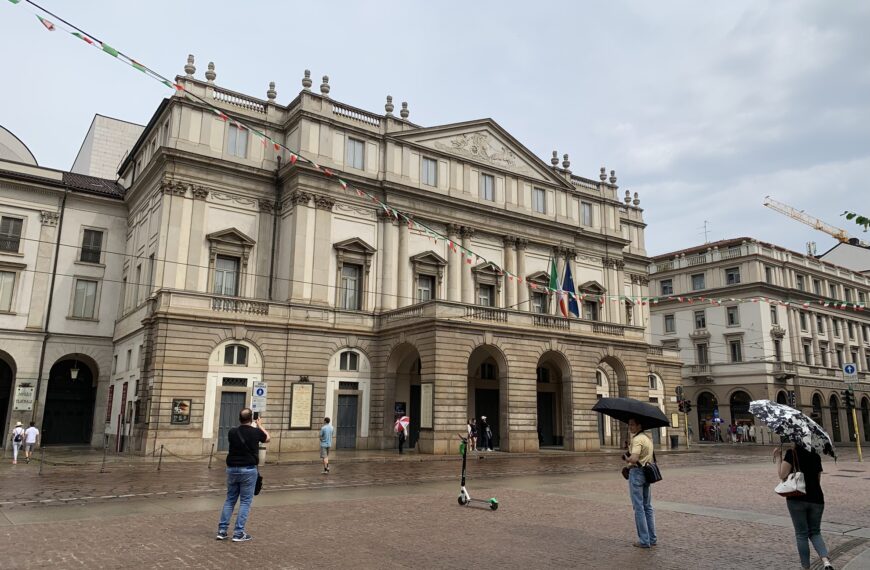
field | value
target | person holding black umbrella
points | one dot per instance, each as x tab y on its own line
640	453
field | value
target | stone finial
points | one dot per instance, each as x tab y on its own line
555	160
306	80
613	177
566	164
210	75
388	107
636	200
324	87
271	93
603	175
189	68
627	198
404	113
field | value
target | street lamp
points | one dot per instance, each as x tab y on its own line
74	371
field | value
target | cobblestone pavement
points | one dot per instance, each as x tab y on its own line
562	512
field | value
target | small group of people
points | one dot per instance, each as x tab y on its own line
26	439
479	434
741	433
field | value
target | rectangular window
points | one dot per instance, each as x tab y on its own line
670	324
109	401
803	319
697	281
832	289
854	358
768	275
808	353
92	246
732	316
115	364
429	174
667	286
851	327
539	200
700	320
777	350
129	359
10	234
349	361
820	324
351	286
836	326
486	295
85	299
586	213
590	310
355	153
151	269
237	145
732	276
774	316
847	295
735	350
840	357
165	138
861	297
138	282
7	286
425	288
701	353
799	282
487	371
487	187
817	287
825	353
226	275
539	303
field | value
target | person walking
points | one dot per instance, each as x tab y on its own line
325	443
805	510
485	434
640	453
472	433
31	440
400	432
17	440
242	460
752	433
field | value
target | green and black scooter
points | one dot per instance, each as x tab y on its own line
465	498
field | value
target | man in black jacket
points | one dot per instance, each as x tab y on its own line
242	459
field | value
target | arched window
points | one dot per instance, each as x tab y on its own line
236	354
543	374
349	361
653	382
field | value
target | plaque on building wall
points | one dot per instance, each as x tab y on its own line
181	412
400	409
24	398
302	399
426	401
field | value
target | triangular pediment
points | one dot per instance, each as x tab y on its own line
354	244
429	258
591	287
230	236
484	142
539	277
487	267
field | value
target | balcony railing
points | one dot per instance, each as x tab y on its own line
239	100
549	321
356	115
655	351
487	314
699	369
605	328
784	367
239	306
10	244
696	260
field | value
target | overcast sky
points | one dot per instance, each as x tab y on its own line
701	107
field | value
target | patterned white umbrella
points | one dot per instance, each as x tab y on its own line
794	425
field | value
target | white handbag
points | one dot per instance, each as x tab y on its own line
794	485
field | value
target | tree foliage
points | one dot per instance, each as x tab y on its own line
858	218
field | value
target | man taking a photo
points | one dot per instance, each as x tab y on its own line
242	460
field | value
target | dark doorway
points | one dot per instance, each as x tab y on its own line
6	383
414	427
835	419
656	433
347	419
740	409
601	431
817	415
486	404
865	418
546	418
231	404
69	404
781	398
708	416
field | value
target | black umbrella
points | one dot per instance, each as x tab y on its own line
624	409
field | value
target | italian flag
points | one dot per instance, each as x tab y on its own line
554	286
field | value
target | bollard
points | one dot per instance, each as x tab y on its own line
211	455
41	458
103	466
160	459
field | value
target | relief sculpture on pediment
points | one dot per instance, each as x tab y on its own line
479	146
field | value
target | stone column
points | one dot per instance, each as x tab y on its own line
510	284
794	335
389	244
522	287
197	238
322	288
404	274
620	290
42	270
467	278
300	246
817	355
832	342
454	266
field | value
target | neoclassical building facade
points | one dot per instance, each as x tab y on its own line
247	272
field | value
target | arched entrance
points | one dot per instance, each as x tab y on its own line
7	381
835	418
740	408
781	398
865	417
708	417
486	371
405	368
69	402
612	382
552	375
233	367
817	415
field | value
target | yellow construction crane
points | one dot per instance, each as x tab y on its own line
801	216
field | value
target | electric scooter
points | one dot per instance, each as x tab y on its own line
464	497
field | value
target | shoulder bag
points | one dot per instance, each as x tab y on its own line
794	485
259	485
652	472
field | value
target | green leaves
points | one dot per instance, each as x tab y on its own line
860	220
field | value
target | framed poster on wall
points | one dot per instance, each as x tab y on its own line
426	401
301	403
181	411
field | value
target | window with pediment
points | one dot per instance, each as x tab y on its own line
229	252
353	265
428	276
539	295
487	284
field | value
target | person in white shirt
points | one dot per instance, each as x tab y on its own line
17	441
31	438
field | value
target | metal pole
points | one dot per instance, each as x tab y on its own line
41	458
857	434
210	456
103	466
687	430
160	459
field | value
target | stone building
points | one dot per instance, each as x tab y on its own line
241	267
755	321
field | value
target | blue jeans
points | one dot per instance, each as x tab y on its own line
240	487
641	501
807	520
